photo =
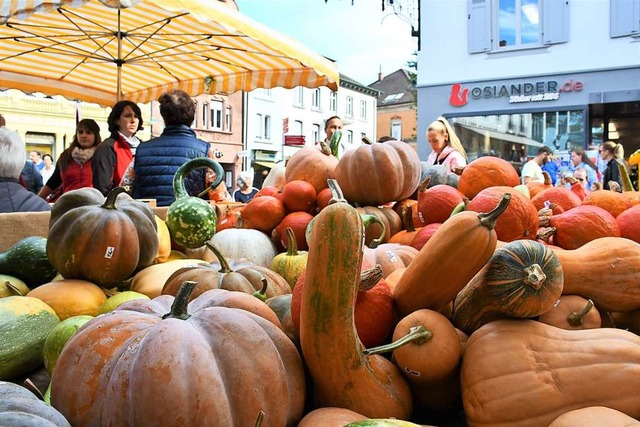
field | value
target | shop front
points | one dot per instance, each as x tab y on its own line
512	118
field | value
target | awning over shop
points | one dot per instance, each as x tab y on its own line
267	165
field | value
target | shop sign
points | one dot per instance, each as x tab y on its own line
294	140
546	90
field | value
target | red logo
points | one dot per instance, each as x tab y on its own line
458	98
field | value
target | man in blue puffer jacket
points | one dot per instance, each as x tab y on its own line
157	160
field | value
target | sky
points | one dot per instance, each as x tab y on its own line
361	38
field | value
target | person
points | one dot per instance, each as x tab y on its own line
246	191
532	170
552	168
331	125
48	168
579	159
158	160
113	157
447	150
36	157
75	165
611	153
30	177
13	196
582	176
218	194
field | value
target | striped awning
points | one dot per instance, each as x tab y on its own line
87	49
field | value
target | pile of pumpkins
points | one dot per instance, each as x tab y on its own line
366	290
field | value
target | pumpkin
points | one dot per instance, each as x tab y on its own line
378	227
444	265
436	204
164	241
604	270
390	256
205	373
192	220
519	220
611	201
594	416
20	407
438	175
58	337
27	260
70	297
239	276
546	371
323	198
103	243
298	222
572	312
12	286
581	225
399	207
629	224
276	176
312	164
379	173
263	213
330	417
560	196
230	218
537	187
424	234
252	245
291	263
406	236
369	385
484	172
281	306
522	279
629	320
298	195
149	281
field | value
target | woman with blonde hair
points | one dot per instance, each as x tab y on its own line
447	150
612	154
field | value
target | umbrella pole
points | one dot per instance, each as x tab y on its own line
119	60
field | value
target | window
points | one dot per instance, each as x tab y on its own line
216	115
396	130
333	101
495	25
205	111
363	110
349	137
315	132
298	100
315	99
259	126
625	18
227	119
267	127
349	110
296	129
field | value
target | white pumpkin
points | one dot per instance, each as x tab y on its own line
237	243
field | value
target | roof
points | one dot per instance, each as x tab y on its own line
352	84
396	88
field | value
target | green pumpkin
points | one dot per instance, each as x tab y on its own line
191	220
58	337
27	260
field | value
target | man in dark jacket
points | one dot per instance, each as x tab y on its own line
158	160
13	196
31	177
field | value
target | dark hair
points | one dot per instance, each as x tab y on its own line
37	152
326	122
545	149
586	160
2	121
116	112
177	108
86	124
47	155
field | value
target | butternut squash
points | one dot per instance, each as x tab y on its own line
524	373
572	312
341	375
446	263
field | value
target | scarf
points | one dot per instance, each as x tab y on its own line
82	155
133	142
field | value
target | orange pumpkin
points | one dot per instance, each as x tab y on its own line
560	196
611	201
436	204
537	187
298	195
263	213
390	256
629	223
581	225
312	164
594	416
572	312
485	172
424	234
379	173
298	222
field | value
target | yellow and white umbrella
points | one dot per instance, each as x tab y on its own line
105	50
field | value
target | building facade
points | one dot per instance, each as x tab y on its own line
397	107
279	122
514	75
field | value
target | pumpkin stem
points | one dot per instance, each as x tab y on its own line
547	178
460	207
259	419
199	162
29	385
545	233
576	318
262	293
534	276
292	243
110	202
370	277
489	219
407	219
224	264
367	220
181	302
13	289
417	335
336	192
424	184
324	148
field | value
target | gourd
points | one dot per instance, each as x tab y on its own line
445	264
103	243
438	175
58	337
71	297
27	260
168	362
20	407
149	281
546	371
191	220
572	312
594	416
24	325
604	270
12	286
291	263
522	279
342	376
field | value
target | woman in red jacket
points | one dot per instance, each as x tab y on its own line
73	169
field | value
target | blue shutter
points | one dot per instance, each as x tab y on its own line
479	25
555	21
625	17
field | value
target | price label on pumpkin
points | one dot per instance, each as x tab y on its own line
109	252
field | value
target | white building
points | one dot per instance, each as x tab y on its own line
281	121
521	73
